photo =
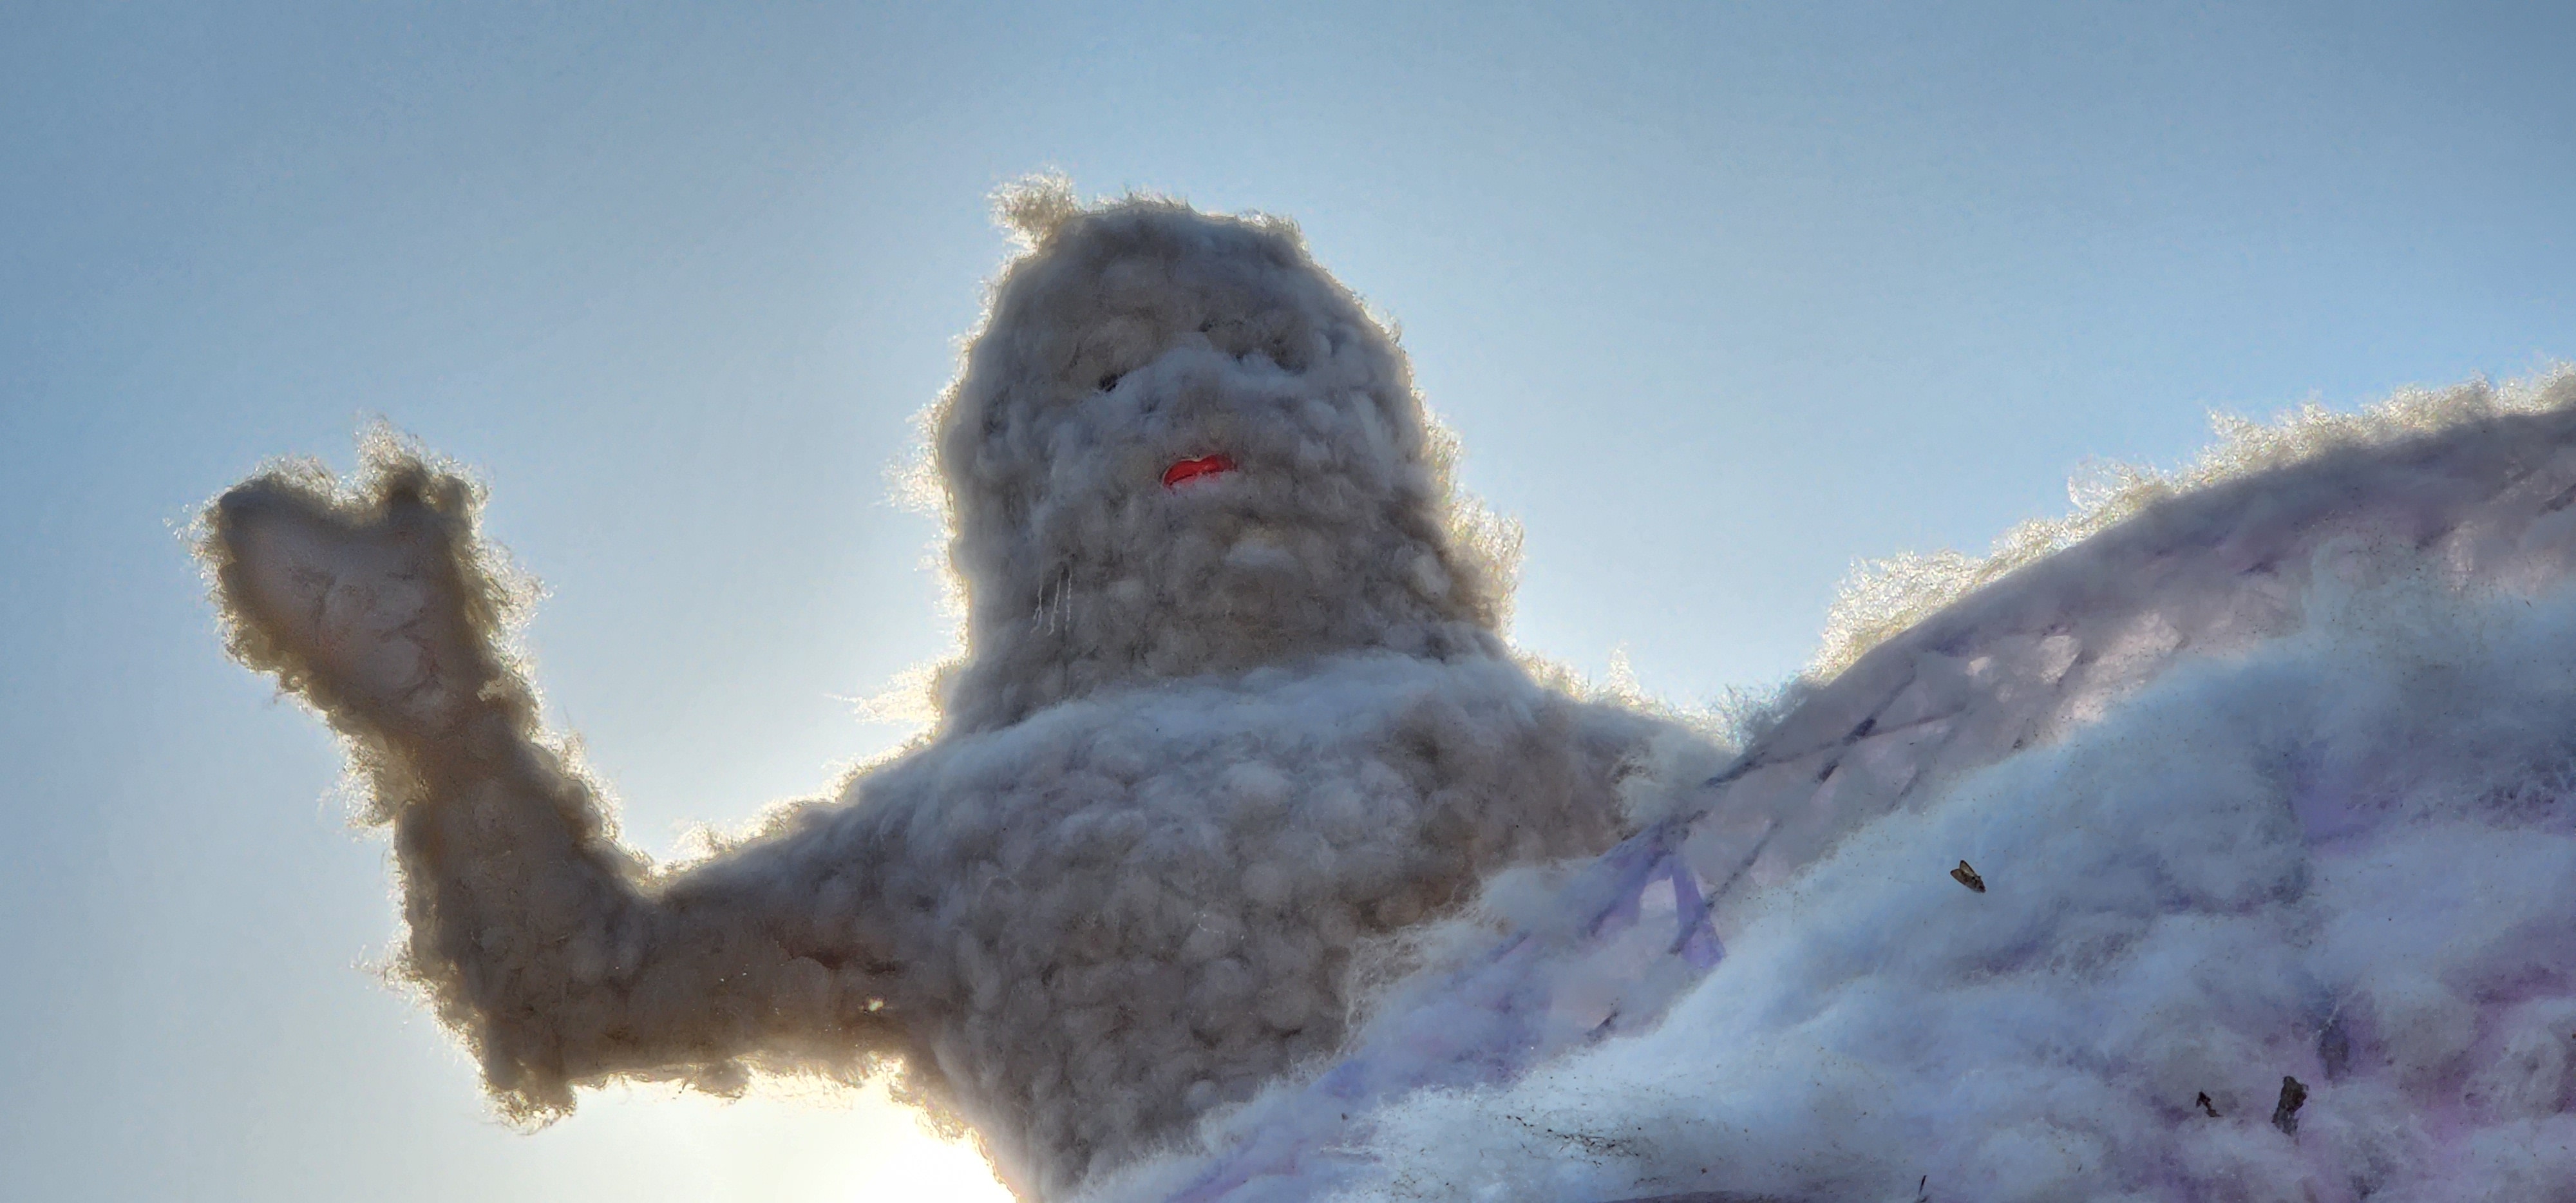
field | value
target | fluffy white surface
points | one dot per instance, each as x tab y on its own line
2348	858
1207	742
2265	771
2267	778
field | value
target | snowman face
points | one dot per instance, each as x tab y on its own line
1180	447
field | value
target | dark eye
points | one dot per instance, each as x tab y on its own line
1109	382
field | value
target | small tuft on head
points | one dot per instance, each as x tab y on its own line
1034	207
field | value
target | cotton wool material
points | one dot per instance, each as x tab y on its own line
2346	859
2265	771
1207	744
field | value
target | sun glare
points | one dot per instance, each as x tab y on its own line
785	1144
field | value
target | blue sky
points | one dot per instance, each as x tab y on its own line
1720	298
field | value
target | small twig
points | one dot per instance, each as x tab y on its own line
2293	1096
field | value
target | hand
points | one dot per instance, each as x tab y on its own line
366	607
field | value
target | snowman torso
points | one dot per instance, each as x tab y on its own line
1125	910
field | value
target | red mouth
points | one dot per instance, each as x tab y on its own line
1188	470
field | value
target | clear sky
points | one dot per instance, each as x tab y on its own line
1719	297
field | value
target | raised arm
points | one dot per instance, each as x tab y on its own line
558	955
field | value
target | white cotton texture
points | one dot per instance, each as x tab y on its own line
2170	912
1243	861
1210	740
2264	793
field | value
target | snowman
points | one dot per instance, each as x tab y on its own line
1233	712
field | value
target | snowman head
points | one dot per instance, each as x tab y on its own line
1179	447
